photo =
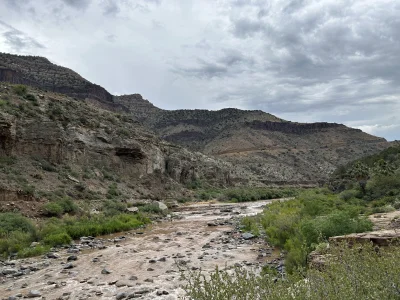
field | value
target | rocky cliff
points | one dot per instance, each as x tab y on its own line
261	147
46	150
273	150
40	72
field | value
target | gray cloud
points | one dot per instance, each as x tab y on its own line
303	60
78	4
229	63
111	8
17	40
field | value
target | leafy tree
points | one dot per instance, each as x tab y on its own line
360	172
382	167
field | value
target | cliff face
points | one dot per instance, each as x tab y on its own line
47	149
273	150
41	73
289	127
262	148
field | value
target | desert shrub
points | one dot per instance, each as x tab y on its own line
28	189
55	111
14	242
33	251
47	166
123	132
349	194
20	89
298	225
280	221
3	103
10	222
380	186
7	160
336	223
60	207
113	191
251	224
150	208
100	225
352	273
17	232
52	209
57	239
113	207
244	194
183	200
30	97
68	205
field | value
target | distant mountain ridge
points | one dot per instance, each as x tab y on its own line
273	150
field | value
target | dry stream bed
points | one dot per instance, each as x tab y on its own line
145	263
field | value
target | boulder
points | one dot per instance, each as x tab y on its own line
248	236
161	205
33	294
132	209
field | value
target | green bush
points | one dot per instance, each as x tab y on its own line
298	225
53	209
47	166
59	207
57	239
100	225
14	242
150	208
33	251
113	207
334	224
68	205
10	222
30	97
17	232
20	89
113	191
250	224
351	274
28	190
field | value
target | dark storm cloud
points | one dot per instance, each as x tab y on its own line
17	40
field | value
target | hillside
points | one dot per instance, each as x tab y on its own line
266	149
274	150
53	146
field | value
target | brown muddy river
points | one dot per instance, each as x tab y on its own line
146	263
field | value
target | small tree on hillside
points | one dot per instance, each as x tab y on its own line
360	172
382	167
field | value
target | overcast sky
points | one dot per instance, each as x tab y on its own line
302	60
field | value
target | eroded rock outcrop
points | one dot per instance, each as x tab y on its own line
40	72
